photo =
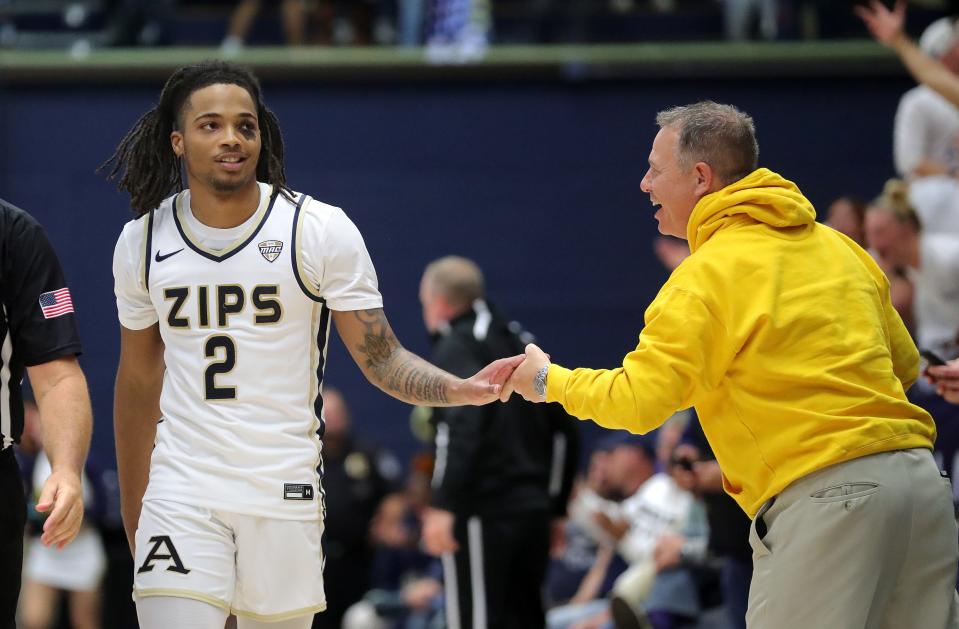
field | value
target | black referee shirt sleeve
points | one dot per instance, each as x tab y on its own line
31	268
465	427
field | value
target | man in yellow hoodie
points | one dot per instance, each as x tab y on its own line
780	331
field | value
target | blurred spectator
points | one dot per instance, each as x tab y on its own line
847	215
412	22
459	30
584	567
697	471
931	261
49	573
407	586
358	22
887	28
946	379
503	471
936	202
894	226
927	125
654	506
356	477
241	22
668	437
738	16
140	22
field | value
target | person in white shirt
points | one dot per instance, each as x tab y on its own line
226	292
931	261
653	505
926	128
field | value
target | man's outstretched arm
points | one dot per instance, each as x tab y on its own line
887	27
404	375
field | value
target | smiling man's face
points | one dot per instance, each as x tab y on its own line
670	187
219	138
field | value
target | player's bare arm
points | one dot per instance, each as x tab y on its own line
66	421
135	414
400	373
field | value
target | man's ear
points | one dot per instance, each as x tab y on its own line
176	141
705	179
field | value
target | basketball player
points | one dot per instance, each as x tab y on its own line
226	292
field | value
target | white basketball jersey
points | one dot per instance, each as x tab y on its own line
245	329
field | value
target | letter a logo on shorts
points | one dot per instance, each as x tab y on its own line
156	555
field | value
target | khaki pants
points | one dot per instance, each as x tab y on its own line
866	544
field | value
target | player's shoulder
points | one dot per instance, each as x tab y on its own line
136	227
326	220
317	209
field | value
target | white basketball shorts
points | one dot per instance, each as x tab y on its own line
262	568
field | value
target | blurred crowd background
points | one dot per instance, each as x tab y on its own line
86	24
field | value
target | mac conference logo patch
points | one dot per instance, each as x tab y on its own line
270	249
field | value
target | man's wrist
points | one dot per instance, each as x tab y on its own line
539	381
899	41
454	391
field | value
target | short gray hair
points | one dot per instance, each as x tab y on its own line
719	135
458	279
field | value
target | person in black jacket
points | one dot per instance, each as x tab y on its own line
502	473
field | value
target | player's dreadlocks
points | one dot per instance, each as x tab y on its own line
150	169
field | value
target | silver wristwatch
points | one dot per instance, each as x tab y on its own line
539	381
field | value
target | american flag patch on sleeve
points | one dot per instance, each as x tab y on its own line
56	303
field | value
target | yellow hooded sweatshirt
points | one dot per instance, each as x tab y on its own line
780	331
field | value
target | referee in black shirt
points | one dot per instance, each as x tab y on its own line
37	333
503	472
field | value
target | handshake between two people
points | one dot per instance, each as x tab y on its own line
501	378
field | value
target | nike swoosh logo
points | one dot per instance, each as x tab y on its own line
161	258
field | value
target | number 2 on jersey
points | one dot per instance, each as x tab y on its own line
221	366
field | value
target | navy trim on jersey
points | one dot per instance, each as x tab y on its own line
149	248
293	250
322	336
235	250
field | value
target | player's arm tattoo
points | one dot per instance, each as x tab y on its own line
395	369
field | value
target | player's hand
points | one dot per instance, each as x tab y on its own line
62	497
523	377
885	25
485	386
438	532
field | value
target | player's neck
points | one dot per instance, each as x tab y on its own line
223	210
